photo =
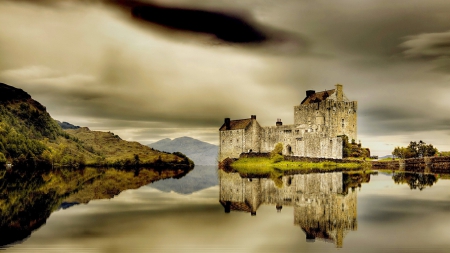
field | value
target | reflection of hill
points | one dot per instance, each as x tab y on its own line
112	182
28	198
323	206
200	178
415	180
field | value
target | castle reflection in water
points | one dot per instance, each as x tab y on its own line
324	207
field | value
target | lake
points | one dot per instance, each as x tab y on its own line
210	210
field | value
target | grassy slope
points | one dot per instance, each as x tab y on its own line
266	165
111	148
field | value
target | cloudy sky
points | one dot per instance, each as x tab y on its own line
170	68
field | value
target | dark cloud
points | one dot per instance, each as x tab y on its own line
229	26
391	120
427	45
224	26
433	47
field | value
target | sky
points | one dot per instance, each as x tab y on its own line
148	70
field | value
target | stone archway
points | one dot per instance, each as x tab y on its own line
288	150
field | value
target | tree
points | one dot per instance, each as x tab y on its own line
278	149
415	150
2	158
136	160
276	154
48	157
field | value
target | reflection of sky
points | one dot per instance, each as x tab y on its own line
391	218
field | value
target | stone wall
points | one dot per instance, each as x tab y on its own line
426	164
329	117
300	143
231	143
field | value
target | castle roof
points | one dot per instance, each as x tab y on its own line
237	124
238	206
318	97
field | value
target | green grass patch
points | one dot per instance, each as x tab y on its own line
388	159
260	165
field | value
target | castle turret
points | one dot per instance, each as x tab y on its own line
339	93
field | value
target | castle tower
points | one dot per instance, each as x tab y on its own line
320	121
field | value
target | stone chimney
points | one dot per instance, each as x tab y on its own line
339	93
227	124
279	123
253	116
310	92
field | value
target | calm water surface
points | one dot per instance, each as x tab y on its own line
215	211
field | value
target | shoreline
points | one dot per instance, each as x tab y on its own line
261	163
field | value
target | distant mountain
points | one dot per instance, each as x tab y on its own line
202	153
67	125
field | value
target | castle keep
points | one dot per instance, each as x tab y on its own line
319	122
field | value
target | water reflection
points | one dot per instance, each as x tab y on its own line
324	207
415	180
27	198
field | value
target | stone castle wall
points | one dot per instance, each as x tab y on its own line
231	143
315	132
301	143
330	117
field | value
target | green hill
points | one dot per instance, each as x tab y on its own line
29	137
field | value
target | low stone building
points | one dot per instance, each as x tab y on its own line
319	122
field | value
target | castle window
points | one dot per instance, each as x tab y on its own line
342	122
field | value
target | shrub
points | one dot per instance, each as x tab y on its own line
277	158
277	150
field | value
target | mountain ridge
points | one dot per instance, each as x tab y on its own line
202	153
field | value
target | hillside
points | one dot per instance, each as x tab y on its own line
202	153
112	150
29	137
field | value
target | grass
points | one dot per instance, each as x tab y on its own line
261	165
110	149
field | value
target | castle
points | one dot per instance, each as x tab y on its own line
319	122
